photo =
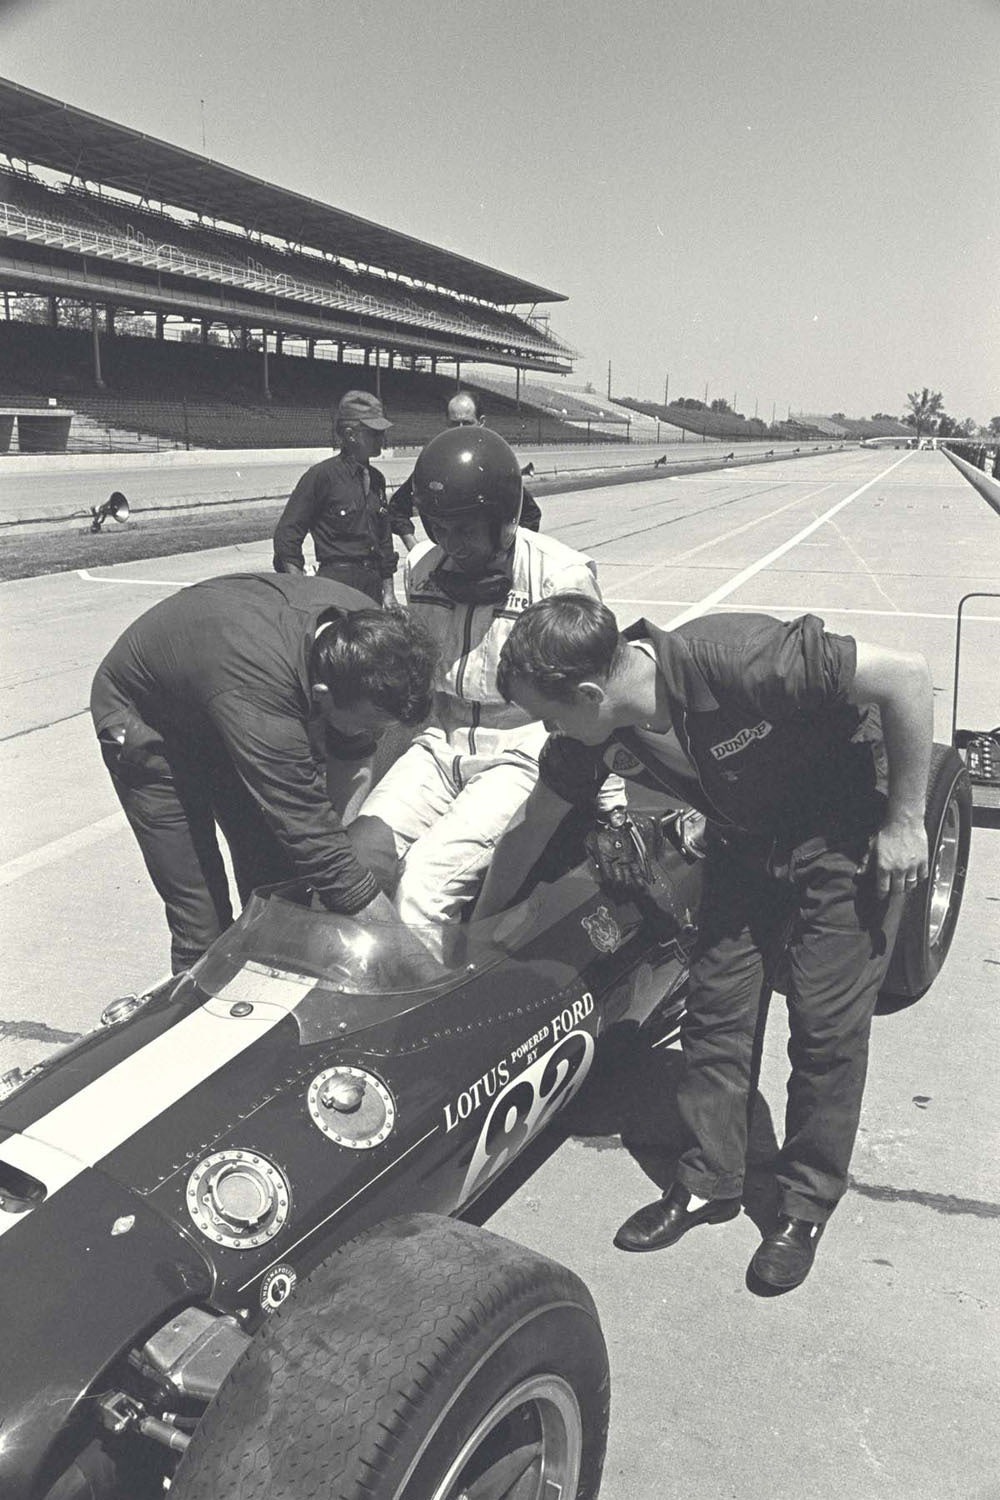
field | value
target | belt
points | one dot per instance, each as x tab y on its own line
780	853
365	564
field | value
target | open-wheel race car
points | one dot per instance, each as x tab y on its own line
230	1257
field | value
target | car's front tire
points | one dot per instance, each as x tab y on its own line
425	1360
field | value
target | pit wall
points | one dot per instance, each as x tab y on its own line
987	487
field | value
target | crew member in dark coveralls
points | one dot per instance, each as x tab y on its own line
815	828
203	708
463	411
342	502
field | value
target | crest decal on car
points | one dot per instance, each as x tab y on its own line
603	930
277	1286
622	761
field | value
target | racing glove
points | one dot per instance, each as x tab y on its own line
686	831
622	848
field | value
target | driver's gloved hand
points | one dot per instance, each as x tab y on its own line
687	832
622	848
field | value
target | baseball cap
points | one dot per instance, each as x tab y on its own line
362	406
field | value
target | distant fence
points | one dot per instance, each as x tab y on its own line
109	424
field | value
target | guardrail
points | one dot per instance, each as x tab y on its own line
139	251
987	487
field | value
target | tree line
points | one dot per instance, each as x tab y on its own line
925	412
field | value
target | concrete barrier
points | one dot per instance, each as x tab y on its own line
987	487
250	475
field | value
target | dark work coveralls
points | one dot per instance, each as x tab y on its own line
202	709
343	503
791	777
401	508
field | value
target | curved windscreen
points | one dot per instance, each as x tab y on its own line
348	972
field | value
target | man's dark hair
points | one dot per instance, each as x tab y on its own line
557	644
383	655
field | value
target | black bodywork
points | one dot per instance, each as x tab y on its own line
205	1148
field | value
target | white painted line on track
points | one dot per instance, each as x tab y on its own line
806	609
746	574
156	583
70	843
717	541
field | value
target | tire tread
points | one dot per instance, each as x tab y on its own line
329	1396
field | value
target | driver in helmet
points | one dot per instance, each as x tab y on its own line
448	799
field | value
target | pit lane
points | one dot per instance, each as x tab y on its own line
874	1379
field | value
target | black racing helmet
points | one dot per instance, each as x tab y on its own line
469	471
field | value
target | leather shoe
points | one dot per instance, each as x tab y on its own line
662	1223
784	1257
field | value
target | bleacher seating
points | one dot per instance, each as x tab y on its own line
241	260
695	419
211	397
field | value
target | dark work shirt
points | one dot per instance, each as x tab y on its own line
761	712
344	505
401	510
226	661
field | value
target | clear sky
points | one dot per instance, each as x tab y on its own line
793	201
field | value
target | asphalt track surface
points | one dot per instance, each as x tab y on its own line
877	1378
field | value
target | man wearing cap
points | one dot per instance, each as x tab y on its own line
463	411
342	503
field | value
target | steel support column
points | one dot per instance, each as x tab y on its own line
95	334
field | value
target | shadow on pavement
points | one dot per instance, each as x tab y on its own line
628	1103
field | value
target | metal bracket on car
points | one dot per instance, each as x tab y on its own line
120	1413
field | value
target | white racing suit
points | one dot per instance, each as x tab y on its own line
450	796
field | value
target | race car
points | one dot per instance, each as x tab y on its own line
229	1247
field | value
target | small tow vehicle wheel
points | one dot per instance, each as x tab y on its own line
931	911
425	1360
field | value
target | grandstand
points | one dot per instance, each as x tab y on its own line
802	427
154	289
699	419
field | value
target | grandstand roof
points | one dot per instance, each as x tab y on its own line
47	132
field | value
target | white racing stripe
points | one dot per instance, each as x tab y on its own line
107	1112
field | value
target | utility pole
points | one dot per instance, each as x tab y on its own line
706	392
666	391
609	380
202	126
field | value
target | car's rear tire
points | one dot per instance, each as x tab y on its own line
423	1360
931	911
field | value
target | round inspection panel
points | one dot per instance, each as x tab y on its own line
352	1107
238	1199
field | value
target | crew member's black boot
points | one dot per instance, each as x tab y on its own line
784	1258
662	1223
